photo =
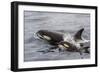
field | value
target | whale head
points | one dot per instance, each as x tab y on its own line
67	46
43	35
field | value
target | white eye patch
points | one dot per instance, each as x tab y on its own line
61	46
46	37
66	45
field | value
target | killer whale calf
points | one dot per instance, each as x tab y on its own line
64	42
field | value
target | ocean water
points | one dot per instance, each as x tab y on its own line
52	21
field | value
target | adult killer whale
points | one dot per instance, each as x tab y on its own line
64	42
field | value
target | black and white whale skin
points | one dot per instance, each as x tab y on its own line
68	43
52	37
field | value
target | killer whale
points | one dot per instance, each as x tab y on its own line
74	44
52	37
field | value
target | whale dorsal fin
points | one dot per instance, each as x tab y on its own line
77	36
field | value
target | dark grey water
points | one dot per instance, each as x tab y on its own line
59	22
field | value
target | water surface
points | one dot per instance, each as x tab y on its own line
53	21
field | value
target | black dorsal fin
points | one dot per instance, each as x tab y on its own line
77	36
